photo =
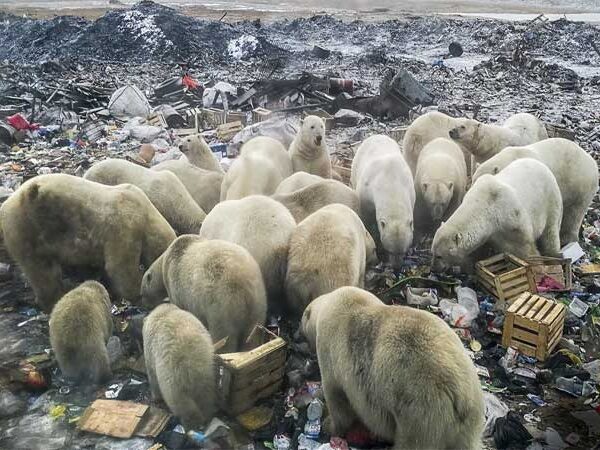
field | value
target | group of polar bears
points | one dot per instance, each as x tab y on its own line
277	233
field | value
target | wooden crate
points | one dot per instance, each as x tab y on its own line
261	114
398	133
559	131
248	376
533	325
505	276
227	131
328	119
557	268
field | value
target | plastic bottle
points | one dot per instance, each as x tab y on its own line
454	313
467	297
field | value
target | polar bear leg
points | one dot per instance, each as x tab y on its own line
341	414
153	381
121	263
571	223
549	241
45	277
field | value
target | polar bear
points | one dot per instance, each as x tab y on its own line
297	181
401	371
440	181
309	150
328	249
576	173
80	326
484	141
306	201
263	164
179	354
262	226
218	282
197	152
61	221
517	211
386	194
164	190
203	185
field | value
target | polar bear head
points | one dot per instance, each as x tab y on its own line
466	132
153	290
312	132
395	233
194	143
437	197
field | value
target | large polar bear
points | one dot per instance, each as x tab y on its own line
386	194
179	354
197	152
164	190
297	181
203	185
218	282
262	226
440	181
517	211
328	249
484	141
576	173
59	221
401	371
262	165
308	149
80	326
311	198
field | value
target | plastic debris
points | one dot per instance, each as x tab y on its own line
129	101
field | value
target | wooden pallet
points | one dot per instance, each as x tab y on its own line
505	276
557	268
533	325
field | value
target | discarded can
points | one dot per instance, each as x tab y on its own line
455	49
312	428
337	85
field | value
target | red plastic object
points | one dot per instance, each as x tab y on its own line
189	82
21	123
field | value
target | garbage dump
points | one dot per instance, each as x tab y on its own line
168	92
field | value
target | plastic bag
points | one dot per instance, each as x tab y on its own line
129	101
494	409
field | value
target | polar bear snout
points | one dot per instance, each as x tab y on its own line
454	133
318	139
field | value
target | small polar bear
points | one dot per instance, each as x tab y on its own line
328	249
80	326
401	371
58	221
484	141
517	211
440	181
262	226
386	194
262	165
308	149
197	152
164	190
178	352
575	171
218	282
297	181
203	185
303	202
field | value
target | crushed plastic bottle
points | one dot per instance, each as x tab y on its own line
454	313
467	297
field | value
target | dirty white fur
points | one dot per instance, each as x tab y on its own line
262	226
517	211
329	249
386	193
576	173
197	152
178	352
262	165
401	371
309	150
218	282
164	190
80	326
297	181
484	140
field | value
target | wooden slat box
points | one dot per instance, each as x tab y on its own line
248	376
505	277
557	268
533	325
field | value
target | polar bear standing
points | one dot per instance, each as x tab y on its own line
576	173
218	282
203	185
386	194
164	190
440	180
517	211
80	326
262	226
197	152
297	181
484	141
329	249
179	354
263	164
60	221
309	151
303	202
401	371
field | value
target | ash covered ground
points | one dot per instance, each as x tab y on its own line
549	68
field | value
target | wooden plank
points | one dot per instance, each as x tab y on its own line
541	352
243	404
526	323
246	378
559	322
524	309
542	312
498	267
524	335
508	326
484	271
517	261
515	273
498	290
554	341
515	284
541	301
237	361
524	347
517	304
553	314
259	384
